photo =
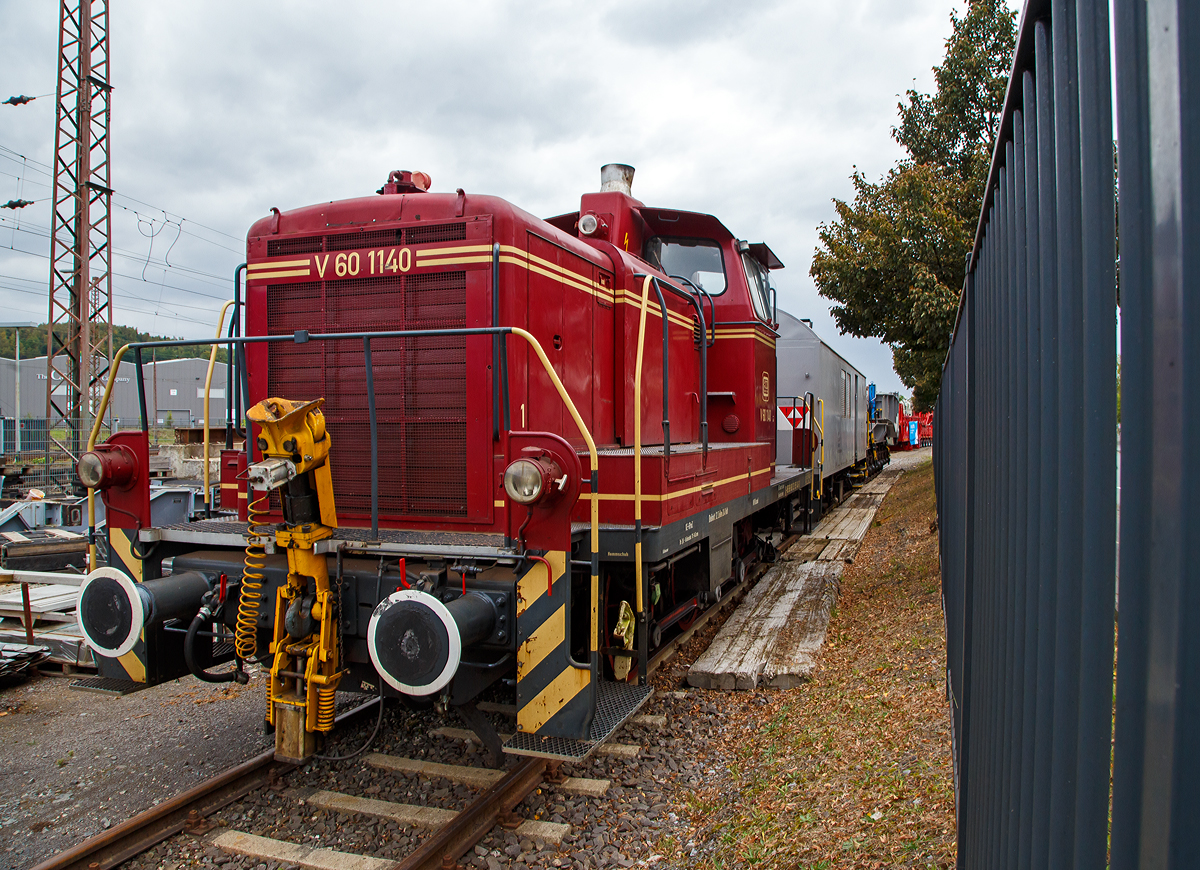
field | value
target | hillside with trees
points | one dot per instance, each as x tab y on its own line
33	343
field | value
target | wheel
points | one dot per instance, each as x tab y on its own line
656	636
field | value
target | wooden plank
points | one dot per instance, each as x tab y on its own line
718	666
791	660
736	657
773	638
833	553
805	550
42	600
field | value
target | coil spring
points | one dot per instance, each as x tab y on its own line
270	699
326	701
246	633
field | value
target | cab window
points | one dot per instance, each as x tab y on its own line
697	260
759	283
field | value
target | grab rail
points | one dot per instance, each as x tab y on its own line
302	336
212	361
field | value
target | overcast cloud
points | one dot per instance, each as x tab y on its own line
755	112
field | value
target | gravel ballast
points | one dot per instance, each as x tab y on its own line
691	798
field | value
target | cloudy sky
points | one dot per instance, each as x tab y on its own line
756	112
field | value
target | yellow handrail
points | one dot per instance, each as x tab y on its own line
212	361
593	456
637	448
112	378
595	469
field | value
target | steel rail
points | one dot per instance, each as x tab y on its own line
146	830
470	826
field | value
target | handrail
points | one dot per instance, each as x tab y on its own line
711	336
212	362
810	401
821	432
114	367
692	301
233	398
666	377
301	336
639	579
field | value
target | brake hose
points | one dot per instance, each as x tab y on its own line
189	644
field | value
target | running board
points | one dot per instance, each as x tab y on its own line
615	703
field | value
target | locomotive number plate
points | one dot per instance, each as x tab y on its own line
380	261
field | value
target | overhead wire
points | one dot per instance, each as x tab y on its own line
41	231
29	164
169	305
47	170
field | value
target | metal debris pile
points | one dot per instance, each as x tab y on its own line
17	660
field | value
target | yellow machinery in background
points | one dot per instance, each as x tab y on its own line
306	666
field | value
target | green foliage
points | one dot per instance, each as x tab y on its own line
33	343
894	259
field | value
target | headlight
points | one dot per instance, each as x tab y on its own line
523	481
91	470
588	224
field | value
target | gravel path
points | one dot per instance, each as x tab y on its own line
74	763
906	459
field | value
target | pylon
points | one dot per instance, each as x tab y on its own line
79	353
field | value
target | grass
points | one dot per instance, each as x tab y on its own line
853	769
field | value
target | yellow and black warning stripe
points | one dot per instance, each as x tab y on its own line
555	695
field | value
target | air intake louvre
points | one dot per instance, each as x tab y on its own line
420	386
371	239
282	247
435	233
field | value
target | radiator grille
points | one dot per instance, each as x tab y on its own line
420	386
435	233
370	239
282	247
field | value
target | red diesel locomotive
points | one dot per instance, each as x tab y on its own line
494	449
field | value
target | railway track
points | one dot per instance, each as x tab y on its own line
453	832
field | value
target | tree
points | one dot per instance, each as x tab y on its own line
894	259
33	343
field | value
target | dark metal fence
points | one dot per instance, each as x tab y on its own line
1025	452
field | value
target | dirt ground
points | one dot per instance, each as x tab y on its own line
852	769
74	763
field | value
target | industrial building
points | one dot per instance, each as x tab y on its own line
174	392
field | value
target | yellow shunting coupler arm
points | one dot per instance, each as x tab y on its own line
305	669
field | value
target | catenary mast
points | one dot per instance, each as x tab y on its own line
79	333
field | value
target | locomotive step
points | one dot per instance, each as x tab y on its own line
615	704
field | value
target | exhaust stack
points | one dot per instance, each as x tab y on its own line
616	176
